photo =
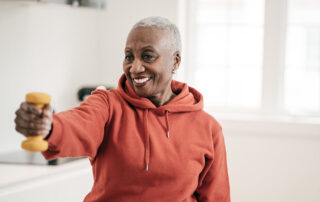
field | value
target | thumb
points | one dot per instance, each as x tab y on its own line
47	110
47	107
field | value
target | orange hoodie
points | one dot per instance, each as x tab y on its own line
143	153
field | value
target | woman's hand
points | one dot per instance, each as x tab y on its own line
31	121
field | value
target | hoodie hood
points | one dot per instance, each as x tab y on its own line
187	100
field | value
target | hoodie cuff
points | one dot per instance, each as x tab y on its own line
53	139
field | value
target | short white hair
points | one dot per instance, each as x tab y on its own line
165	24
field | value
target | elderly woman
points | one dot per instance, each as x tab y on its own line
149	140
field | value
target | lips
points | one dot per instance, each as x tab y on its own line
140	81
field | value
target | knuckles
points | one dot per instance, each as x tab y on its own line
31	123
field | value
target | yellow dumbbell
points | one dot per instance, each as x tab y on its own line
36	143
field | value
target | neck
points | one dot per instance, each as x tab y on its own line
162	98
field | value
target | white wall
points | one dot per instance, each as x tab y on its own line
273	161
121	15
49	48
57	49
274	168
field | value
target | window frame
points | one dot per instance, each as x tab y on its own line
273	62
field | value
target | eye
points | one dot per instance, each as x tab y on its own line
128	58
148	57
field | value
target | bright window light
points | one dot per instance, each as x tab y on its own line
228	52
302	71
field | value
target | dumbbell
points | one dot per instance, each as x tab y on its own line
36	143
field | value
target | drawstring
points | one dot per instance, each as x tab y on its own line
147	135
167	121
147	139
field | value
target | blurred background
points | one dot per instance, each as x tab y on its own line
257	63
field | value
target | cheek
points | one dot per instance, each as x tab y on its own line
166	71
163	75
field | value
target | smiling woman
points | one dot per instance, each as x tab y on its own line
147	140
151	56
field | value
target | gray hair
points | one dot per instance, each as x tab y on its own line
165	24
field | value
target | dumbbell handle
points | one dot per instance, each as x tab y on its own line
36	143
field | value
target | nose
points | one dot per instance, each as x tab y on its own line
136	67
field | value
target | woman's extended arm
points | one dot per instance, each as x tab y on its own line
79	131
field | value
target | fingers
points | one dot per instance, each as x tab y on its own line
42	124
26	115
30	108
32	121
32	128
30	132
29	112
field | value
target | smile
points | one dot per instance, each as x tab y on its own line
140	81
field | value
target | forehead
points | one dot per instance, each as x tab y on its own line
148	36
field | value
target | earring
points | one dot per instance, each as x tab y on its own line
173	71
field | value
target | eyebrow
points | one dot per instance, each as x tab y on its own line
143	48
148	47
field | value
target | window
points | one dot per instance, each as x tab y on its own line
256	55
228	50
302	71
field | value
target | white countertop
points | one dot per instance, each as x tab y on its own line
15	176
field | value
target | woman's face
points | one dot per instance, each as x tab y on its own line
149	61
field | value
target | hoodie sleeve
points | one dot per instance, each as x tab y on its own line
79	131
214	180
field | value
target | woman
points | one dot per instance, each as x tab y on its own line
149	140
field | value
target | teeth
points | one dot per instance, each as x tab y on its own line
141	80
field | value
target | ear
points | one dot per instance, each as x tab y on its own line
177	60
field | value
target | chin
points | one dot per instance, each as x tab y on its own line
141	93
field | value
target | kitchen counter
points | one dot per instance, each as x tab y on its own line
18	178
